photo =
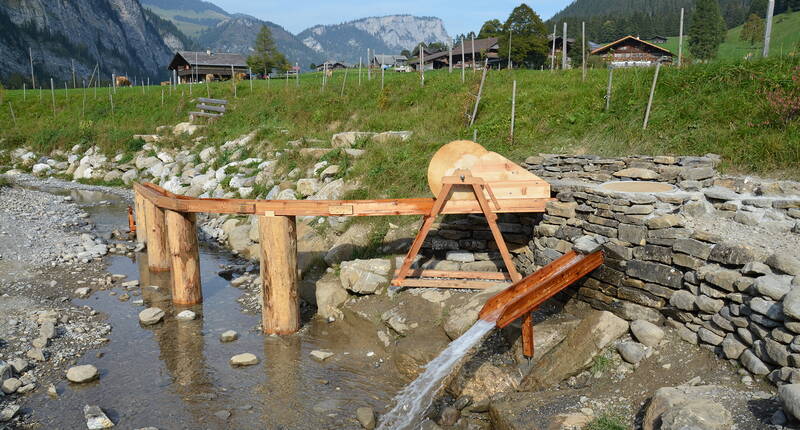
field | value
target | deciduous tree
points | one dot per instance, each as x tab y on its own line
528	37
753	30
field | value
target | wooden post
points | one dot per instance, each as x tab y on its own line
185	256
650	100
583	51
33	77
53	96
360	65
297	74
474	64
553	54
421	65
249	78
463	61
24	91
344	82
513	107
768	27
369	66
608	90
280	303
510	65
111	98
157	253
74	82
233	81
680	41
12	114
564	48
480	91
383	72
141	223
450	57
162	97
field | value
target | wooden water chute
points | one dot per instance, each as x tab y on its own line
467	180
523	297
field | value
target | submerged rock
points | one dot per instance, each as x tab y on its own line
246	359
96	419
366	417
228	336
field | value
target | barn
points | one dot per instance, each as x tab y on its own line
631	51
194	66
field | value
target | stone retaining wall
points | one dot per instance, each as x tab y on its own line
736	299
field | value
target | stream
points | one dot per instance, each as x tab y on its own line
176	375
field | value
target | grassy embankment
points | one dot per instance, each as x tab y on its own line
785	38
699	109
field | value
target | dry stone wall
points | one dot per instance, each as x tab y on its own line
667	260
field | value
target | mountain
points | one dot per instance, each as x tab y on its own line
388	34
218	30
117	34
238	32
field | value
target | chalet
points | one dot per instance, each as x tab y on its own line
633	52
193	66
485	49
380	61
658	40
332	65
559	49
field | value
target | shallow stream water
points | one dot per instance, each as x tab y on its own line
176	375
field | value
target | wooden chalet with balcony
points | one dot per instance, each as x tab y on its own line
631	51
195	66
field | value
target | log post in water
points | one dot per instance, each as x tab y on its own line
185	256
157	254
279	282
141	225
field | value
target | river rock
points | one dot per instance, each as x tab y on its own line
685	407
480	379
576	351
632	352
366	417
96	419
10	385
151	316
185	315
8	413
647	332
228	336
461	318
321	355
365	276
790	397
82	374
246	359
330	295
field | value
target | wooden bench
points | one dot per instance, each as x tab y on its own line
209	108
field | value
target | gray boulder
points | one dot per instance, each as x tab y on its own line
647	332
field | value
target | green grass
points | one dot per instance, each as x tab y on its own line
607	422
697	109
785	38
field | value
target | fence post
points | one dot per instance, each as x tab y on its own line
513	107
650	100
680	41
279	283
768	29
608	90
480	92
12	114
53	96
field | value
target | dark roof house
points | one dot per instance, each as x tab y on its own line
484	49
631	51
193	66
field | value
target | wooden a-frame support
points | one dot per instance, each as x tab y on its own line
474	280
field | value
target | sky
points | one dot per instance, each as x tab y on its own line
459	16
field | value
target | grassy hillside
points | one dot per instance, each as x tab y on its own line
785	38
718	108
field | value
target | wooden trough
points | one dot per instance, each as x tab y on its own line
467	178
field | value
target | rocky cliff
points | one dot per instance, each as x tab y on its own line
387	34
117	34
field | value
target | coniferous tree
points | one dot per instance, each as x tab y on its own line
759	8
753	30
528	37
707	30
265	54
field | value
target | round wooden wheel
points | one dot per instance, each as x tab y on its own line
459	154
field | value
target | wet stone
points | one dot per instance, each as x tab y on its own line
366	417
185	315
151	316
246	359
96	419
228	336
82	374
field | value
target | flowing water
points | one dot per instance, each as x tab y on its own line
176	375
415	398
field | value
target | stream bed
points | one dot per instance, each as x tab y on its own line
176	374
